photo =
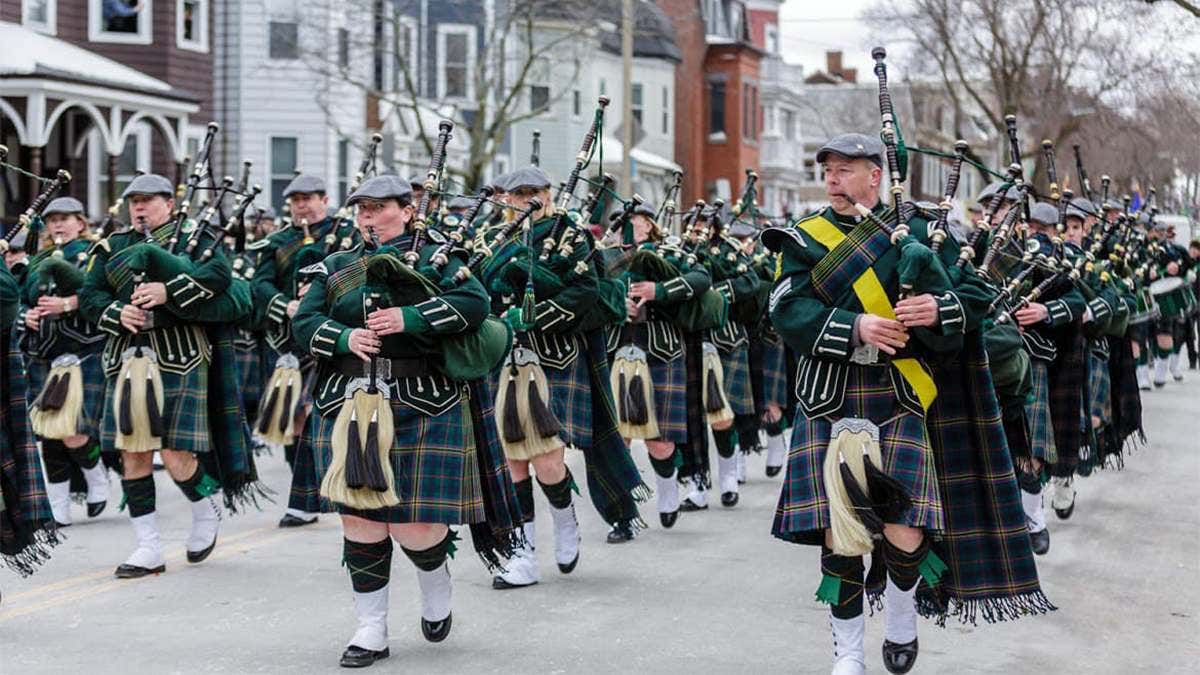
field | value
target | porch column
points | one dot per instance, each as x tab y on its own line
35	168
111	197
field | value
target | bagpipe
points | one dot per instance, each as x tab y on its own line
31	214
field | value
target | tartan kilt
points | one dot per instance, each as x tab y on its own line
250	379
571	400
736	365
433	464
775	375
1099	389
93	389
802	514
185	412
305	492
669	380
1037	413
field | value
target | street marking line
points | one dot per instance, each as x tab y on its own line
112	583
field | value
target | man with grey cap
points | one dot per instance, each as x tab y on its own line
873	374
151	316
278	289
60	344
365	315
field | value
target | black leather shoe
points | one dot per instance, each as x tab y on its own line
729	499
1040	541
773	471
620	534
357	657
199	556
135	572
668	519
288	520
569	567
688	505
95	508
436	631
899	658
61	525
499	584
1064	514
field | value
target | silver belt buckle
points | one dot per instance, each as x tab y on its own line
383	369
866	355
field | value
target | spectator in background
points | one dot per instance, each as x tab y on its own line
121	16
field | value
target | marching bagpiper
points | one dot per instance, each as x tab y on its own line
66	381
396	437
170	378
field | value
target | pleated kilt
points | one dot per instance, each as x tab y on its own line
1099	388
305	493
250	375
93	388
669	383
433	464
571	399
775	375
802	514
1037	413
736	364
185	412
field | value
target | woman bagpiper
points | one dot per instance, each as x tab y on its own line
395	442
662	279
62	350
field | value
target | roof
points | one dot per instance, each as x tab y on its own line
653	33
28	53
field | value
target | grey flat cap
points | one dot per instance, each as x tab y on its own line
63	205
460	203
853	146
304	183
417	182
500	183
1080	208
645	209
988	192
264	212
741	228
530	177
382	187
1044	213
149	184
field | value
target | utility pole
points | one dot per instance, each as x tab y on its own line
626	95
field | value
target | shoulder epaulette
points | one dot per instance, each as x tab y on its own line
255	245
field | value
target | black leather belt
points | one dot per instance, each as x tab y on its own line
352	366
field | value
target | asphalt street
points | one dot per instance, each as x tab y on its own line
715	594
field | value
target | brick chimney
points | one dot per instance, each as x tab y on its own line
833	66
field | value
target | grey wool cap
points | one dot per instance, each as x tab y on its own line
304	183
417	182
645	209
500	182
63	205
530	177
1044	213
460	202
149	184
741	228
988	192
853	146
382	187
1080	208
264	212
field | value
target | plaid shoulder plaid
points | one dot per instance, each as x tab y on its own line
836	272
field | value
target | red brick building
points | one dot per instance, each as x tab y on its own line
717	94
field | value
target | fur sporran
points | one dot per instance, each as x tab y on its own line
138	402
716	404
633	392
528	427
360	474
277	419
55	412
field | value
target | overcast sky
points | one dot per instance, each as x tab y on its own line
812	27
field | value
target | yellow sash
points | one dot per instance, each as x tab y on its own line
874	300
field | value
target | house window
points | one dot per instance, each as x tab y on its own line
40	15
746	128
772	38
191	25
122	21
406	75
810	171
666	110
539	97
789	125
636	102
456	46
284	40
576	103
716	108
343	43
343	169
284	156
135	155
